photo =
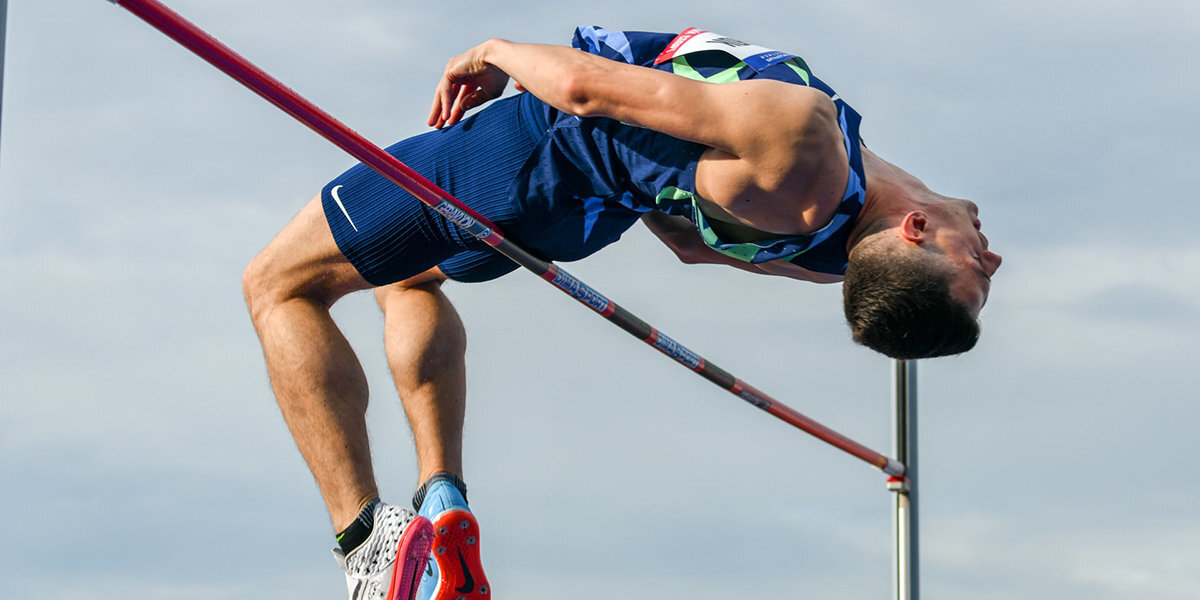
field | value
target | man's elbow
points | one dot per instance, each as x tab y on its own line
582	90
578	95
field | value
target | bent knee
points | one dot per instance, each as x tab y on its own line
427	282
270	280
302	262
259	288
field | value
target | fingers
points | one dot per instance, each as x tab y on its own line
451	106
452	101
444	100
466	83
468	97
443	96
435	111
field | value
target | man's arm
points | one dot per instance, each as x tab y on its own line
721	116
680	235
776	162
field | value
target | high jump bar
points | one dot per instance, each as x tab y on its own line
272	90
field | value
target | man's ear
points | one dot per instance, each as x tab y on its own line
913	227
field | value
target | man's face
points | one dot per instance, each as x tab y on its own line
966	248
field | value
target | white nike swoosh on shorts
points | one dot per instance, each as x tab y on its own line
334	193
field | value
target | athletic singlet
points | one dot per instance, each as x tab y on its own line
604	161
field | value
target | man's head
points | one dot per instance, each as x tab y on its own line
915	289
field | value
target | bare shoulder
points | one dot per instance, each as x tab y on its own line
764	111
786	166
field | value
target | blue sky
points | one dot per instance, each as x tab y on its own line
142	454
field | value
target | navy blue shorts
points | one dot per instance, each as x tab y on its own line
389	235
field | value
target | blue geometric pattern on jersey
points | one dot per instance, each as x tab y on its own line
592	207
599	39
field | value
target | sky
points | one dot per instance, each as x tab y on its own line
142	455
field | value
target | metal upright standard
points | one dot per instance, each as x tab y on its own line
904	449
3	35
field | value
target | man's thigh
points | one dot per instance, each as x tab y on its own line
303	260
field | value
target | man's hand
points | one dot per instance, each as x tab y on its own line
469	81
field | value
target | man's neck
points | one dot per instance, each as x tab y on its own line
891	193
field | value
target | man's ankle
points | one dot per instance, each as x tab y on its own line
359	530
419	496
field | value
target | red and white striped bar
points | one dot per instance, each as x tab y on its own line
263	84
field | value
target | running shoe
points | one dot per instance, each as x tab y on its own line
388	565
454	571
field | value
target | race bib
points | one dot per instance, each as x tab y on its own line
698	40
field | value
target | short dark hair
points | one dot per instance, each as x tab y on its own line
897	301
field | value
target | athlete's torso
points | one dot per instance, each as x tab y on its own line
601	162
